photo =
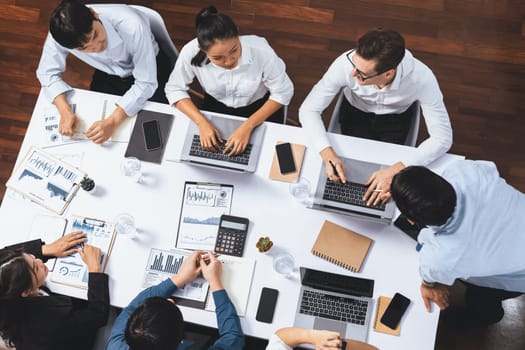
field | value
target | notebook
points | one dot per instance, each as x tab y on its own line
193	153
382	304
298	155
341	246
339	198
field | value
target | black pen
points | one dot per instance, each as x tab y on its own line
333	167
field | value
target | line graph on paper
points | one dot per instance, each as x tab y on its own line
201	211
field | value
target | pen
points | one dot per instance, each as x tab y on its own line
377	190
333	167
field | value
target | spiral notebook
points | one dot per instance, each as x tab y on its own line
341	246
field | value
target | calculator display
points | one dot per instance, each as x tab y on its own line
233	225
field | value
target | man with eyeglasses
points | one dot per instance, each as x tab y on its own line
118	42
380	80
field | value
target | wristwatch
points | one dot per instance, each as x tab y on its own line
428	284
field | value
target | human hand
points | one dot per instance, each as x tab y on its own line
379	184
68	123
91	256
438	294
211	139
325	340
65	245
189	270
238	140
211	271
334	166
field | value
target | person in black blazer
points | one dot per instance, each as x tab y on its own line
31	316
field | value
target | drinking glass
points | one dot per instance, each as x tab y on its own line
284	264
130	167
301	189
125	225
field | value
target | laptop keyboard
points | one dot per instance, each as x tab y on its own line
337	308
197	151
348	193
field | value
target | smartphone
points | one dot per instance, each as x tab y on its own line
152	134
285	158
395	311
267	303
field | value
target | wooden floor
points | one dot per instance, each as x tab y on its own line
476	48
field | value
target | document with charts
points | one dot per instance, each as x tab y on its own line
46	180
237	274
72	270
202	207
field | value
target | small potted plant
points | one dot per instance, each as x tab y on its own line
87	184
264	244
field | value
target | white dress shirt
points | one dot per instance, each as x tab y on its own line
131	50
276	343
413	81
484	240
258	71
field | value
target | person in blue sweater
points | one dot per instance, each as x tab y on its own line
153	321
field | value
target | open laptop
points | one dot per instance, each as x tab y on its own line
334	302
347	198
193	153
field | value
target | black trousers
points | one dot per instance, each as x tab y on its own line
113	84
484	304
213	105
392	128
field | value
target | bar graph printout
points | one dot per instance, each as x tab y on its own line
202	207
163	264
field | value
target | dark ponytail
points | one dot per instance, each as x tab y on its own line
15	277
210	27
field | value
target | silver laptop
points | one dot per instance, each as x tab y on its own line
245	162
335	302
347	198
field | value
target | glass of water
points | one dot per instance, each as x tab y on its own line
301	189
284	264
130	167
125	225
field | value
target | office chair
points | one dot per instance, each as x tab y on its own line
415	110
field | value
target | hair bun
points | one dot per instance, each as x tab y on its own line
204	13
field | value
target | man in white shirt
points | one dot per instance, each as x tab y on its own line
380	80
119	44
473	231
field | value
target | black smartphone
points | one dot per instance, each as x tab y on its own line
285	158
267	303
152	134
395	311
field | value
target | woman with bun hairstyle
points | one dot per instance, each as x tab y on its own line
240	74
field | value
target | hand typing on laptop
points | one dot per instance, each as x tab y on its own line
239	139
379	184
334	166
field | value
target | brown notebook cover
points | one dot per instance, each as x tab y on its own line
382	303
298	155
341	246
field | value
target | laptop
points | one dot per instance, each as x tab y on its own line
348	198
334	302
193	153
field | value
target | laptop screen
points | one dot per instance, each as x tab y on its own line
337	283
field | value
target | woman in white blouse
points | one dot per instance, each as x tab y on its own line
241	75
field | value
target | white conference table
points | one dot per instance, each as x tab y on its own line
156	203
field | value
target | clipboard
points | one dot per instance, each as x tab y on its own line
202	205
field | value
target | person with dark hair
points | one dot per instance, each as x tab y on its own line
380	80
33	317
115	40
472	229
240	74
152	321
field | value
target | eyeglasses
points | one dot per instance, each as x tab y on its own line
360	74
